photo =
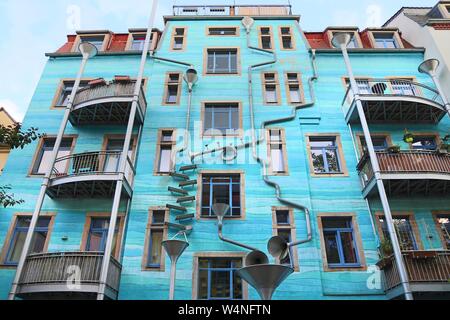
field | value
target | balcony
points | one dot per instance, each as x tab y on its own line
106	104
395	101
53	275
90	174
428	273
408	173
242	10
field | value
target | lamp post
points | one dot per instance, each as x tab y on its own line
340	41
429	67
88	50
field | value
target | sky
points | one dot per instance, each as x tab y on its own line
30	28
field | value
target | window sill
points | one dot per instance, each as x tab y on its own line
344	268
7	267
222	74
329	175
154	269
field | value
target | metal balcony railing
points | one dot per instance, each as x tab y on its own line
109	90
408	161
239	10
396	90
421	266
57	268
92	163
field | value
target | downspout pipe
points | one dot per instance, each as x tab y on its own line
341	41
40	200
221	237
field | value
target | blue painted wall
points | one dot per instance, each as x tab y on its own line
321	195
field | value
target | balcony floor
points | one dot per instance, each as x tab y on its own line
397	109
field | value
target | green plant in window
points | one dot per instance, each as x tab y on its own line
408	137
386	249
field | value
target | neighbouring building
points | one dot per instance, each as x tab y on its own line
294	94
428	27
5	120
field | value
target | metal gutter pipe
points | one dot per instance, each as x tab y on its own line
341	41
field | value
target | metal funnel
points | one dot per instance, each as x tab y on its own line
220	210
174	249
248	22
429	66
265	278
278	247
341	38
88	49
191	78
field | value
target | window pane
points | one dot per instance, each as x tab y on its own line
444	229
277	158
155	247
266	42
203	284
218	280
332	159
318	161
16	247
221	194
287	42
348	248
287	236
331	247
271	94
282	217
404	232
336	223
425	143
172	94
95	241
294	93
159	217
165	159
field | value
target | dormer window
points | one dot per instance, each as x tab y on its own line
97	41
137	42
385	40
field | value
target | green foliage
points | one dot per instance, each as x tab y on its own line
386	248
15	138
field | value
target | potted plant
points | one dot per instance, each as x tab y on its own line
394	149
408	137
386	252
444	146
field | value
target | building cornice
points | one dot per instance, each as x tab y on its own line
199	18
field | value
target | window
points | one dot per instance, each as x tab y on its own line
265	38
284	227
385	40
380	143
326	156
65	89
97	41
271	87
294	88
178	39
287	42
223	31
403	87
137	42
443	225
165	148
156	234
217	279
44	153
222	61
404	231
221	188
276	144
97	234
221	119
424	143
173	88
19	232
341	250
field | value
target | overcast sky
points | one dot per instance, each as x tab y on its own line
32	27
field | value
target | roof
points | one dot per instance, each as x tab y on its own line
322	40
421	15
8	115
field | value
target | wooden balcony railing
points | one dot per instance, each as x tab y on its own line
421	266
92	163
238	10
109	90
408	161
57	269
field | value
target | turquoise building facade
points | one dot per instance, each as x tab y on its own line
334	195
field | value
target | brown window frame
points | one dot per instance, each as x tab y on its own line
168	83
289	83
159	227
282	35
175	36
436	215
235	28
161	144
281	143
261	36
223	74
276	227
273	83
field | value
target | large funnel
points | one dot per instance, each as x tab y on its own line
429	66
174	249
248	22
88	49
278	247
265	278
341	38
220	210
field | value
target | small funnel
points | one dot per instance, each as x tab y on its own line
265	278
278	248
174	249
88	49
248	22
341	38
191	78
429	66
220	210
